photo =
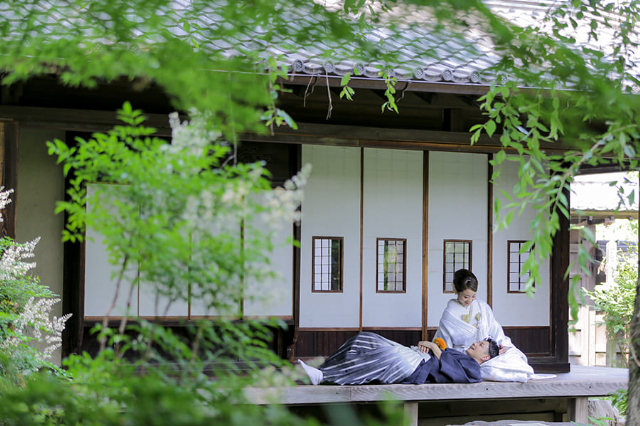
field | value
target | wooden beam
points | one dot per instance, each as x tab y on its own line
9	175
470	100
453	120
379	84
376	137
428	97
307	133
478	408
76	119
351	133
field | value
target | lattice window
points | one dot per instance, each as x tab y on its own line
326	264
516	280
391	261
457	255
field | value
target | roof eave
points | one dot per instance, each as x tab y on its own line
380	84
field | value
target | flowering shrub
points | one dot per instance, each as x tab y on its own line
28	333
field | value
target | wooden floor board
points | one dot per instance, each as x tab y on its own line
580	382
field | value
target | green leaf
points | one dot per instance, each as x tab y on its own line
490	127
629	151
587	233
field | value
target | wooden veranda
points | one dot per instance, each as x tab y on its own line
563	398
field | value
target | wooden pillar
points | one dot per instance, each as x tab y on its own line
295	162
560	294
9	174
411	413
578	410
489	281
425	243
73	279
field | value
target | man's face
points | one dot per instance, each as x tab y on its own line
479	351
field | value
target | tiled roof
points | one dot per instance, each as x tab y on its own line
425	52
459	54
594	193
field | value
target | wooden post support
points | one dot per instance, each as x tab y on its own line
9	174
578	410
411	413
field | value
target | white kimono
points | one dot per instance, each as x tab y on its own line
460	326
512	366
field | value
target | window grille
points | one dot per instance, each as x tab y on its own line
327	264
515	279
391	265
457	255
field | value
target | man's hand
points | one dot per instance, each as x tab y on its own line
502	350
425	346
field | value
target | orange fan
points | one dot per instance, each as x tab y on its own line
440	342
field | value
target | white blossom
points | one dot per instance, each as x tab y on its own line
11	262
4	199
35	323
190	137
283	203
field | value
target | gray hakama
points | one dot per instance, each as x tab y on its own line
368	357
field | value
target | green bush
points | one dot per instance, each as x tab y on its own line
616	301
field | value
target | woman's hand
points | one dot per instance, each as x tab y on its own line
424	346
502	350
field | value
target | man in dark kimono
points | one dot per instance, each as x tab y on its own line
451	366
369	357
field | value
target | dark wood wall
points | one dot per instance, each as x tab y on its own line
533	341
321	343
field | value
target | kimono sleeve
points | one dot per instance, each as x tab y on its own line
456	367
493	327
443	333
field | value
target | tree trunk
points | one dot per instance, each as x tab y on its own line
633	411
633	398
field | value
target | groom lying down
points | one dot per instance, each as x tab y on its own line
369	357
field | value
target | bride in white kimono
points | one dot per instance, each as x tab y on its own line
467	320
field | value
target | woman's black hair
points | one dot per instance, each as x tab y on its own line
464	279
494	348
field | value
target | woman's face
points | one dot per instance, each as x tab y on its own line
466	297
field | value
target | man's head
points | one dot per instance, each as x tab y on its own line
483	350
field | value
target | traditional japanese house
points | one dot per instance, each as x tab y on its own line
395	204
